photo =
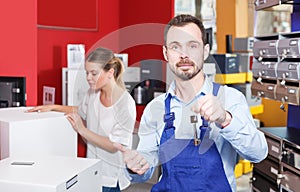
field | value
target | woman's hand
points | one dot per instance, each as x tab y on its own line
41	108
75	121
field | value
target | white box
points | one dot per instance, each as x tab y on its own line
76	55
34	134
74	86
132	74
50	174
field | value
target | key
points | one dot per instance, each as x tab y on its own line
283	99
194	121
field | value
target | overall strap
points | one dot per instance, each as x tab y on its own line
204	125
216	87
169	116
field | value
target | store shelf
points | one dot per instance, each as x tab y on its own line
276	5
238	170
231	78
256	109
249	76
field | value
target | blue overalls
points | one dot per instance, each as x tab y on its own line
184	168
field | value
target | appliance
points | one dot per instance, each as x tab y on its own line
243	44
74	86
151	69
35	134
226	63
210	70
245	62
123	57
12	92
152	81
209	36
50	174
131	77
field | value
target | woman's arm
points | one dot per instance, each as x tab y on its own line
98	140
58	108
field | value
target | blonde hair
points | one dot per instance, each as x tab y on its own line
106	59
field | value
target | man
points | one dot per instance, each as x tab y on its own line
197	128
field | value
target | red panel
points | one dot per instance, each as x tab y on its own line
68	13
251	62
150	15
154	11
82	148
18	50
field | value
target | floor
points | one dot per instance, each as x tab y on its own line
243	185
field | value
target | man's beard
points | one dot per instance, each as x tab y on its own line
185	75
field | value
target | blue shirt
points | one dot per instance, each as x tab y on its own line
240	137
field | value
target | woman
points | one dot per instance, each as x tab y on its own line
106	115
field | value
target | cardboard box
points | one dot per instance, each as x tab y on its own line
35	134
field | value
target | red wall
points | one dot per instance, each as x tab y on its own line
68	13
18	48
52	46
142	24
148	35
117	30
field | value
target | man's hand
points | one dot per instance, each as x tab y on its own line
133	160
210	108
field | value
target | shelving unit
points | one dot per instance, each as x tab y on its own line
280	170
231	78
276	77
255	110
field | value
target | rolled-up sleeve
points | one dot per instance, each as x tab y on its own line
242	133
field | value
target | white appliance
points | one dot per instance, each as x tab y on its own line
50	174
35	134
74	86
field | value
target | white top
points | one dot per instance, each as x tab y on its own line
115	122
18	114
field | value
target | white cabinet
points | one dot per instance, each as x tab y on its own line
35	134
50	174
